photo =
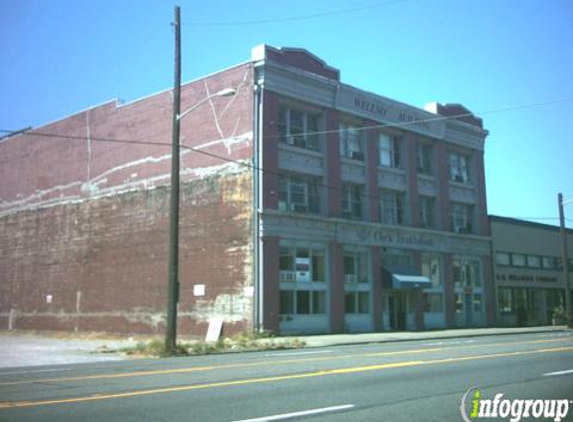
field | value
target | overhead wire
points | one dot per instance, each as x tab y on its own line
283	173
297	17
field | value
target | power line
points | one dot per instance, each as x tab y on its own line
206	153
402	125
298	17
242	163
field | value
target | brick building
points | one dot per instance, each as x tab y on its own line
307	205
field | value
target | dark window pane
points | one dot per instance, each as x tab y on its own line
287	302
303	302
350	303
318	303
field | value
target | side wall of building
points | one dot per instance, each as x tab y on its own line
84	214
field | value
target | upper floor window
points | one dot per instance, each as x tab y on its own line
461	218
298	128
518	259
299	194
351	199
356	267
424	159
389	151
427	205
502	258
351	143
391	211
459	168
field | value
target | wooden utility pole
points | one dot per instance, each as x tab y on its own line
173	277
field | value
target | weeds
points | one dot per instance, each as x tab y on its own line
237	343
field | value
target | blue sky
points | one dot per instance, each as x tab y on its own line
61	56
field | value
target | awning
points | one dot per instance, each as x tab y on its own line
404	278
405	281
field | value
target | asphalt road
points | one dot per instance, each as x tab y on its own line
406	381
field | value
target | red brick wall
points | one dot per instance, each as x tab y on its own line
100	248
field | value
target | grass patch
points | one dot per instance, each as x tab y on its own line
238	343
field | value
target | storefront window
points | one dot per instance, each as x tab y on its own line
466	274
434	302
357	302
478	302
301	265
459	303
431	268
356	267
505	300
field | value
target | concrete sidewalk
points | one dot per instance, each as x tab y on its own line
24	349
349	339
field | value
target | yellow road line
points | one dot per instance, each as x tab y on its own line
314	374
276	362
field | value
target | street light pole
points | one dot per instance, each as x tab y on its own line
173	272
565	258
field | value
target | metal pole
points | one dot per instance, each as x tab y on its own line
173	283
565	255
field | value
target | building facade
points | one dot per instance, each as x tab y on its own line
528	271
309	206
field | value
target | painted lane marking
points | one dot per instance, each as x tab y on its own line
34	371
298	414
553	374
316	352
278	378
276	362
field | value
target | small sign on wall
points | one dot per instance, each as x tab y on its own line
214	330
199	290
49	298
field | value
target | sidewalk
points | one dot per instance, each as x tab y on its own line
24	349
348	339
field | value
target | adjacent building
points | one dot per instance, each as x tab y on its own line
528	270
308	206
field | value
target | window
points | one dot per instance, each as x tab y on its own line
502	258
533	261
459	298
389	151
302	302
298	128
426	204
391	207
357	302
478	302
505	301
431	268
518	260
459	168
299	194
424	159
287	302
462	218
352	201
356	267
351	144
434	302
466	274
301	265
396	258
549	262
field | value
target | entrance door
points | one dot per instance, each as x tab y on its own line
468	305
397	311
